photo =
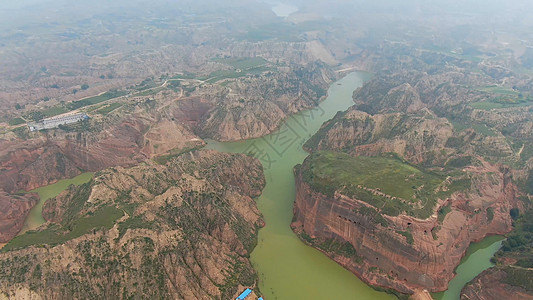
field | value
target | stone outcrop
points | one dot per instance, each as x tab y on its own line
183	230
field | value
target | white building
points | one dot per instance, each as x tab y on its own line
54	122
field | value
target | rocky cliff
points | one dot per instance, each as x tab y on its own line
181	231
403	252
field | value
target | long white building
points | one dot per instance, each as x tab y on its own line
54	122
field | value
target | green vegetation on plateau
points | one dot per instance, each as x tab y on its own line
109	108
518	247
240	67
519	244
377	180
96	99
16	121
502	97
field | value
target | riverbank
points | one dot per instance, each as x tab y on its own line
288	268
285	265
35	217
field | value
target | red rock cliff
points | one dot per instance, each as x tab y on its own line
385	255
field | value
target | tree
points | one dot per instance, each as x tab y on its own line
84	86
17	106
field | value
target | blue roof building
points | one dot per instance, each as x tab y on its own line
244	294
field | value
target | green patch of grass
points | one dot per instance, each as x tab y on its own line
479	128
56	234
133	223
434	231
443	211
409	237
459	162
502	97
340	248
490	214
21	132
243	63
16	121
498	90
499	103
376	217
54	111
149	92
328	172
96	99
109	108
521	277
486	105
240	67
185	75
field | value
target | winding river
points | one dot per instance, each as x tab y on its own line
288	269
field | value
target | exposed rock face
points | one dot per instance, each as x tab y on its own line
253	107
182	231
13	211
415	137
491	284
384	256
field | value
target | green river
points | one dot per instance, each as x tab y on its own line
288	269
35	217
476	260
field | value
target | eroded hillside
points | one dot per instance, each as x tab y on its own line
182	230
